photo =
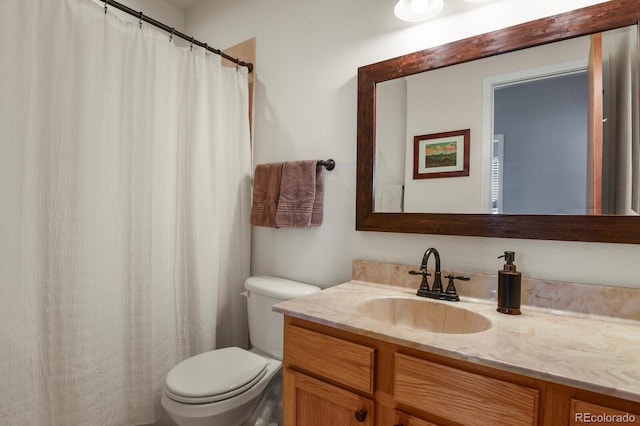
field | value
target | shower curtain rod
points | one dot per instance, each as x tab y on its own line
174	32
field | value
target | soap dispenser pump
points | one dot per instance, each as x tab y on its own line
509	286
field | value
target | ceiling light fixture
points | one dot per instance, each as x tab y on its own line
417	10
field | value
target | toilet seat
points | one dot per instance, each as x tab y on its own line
215	376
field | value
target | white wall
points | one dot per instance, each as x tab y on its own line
308	52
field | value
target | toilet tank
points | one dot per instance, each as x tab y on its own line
265	326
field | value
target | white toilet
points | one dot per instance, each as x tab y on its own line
224	386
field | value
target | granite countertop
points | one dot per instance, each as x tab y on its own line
599	354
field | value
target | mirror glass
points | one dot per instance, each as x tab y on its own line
554	130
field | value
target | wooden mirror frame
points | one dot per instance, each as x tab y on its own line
585	21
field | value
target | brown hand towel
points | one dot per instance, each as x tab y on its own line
299	192
266	192
318	202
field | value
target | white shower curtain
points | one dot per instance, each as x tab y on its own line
124	204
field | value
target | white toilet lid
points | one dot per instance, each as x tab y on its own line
215	375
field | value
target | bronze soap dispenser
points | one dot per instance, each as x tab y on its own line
509	287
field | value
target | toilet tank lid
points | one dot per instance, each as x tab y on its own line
279	288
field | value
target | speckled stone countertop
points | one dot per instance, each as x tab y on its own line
600	354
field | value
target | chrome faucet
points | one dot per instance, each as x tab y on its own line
436	291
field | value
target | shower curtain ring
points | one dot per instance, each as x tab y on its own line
141	18
106	3
191	47
206	48
173	30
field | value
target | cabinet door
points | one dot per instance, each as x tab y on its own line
403	419
312	402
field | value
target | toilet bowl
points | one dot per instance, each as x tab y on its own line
224	386
233	391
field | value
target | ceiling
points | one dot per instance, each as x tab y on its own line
182	4
451	7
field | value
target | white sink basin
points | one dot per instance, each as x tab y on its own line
424	314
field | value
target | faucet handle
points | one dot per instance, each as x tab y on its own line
451	288
424	285
458	277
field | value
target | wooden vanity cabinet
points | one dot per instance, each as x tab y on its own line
332	377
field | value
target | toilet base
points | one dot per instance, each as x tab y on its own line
234	417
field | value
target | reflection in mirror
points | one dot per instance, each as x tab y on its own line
554	130
542	171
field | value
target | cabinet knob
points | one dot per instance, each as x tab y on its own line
361	415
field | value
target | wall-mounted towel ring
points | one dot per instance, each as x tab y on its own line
327	164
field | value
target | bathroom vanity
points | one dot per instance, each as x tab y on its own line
363	353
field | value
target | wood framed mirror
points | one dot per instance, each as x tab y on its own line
567	227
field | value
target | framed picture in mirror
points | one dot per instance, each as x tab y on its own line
439	155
